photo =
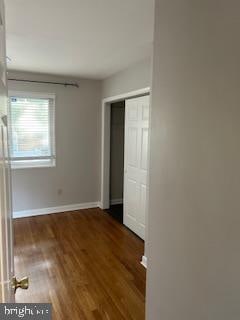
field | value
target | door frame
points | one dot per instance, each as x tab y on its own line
105	141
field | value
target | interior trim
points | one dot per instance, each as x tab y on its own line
116	201
144	261
60	209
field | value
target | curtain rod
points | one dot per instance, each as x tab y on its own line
66	84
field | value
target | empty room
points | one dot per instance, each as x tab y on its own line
119	159
64	72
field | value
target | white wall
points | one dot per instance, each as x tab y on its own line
77	171
78	119
117	150
194	249
135	77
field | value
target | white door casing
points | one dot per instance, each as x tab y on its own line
136	164
105	140
6	236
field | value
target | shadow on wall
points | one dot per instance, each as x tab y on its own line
117	152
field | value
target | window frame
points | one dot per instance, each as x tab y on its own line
35	162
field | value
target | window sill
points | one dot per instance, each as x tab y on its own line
33	164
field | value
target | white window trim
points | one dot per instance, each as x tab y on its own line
15	165
41	163
26	94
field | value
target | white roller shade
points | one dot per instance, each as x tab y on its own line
32	129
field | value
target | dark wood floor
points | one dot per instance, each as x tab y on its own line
84	262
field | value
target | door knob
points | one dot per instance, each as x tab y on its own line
23	283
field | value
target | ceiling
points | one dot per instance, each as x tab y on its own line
81	38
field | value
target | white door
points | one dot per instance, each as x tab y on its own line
136	164
6	243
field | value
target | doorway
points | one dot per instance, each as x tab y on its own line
117	128
135	191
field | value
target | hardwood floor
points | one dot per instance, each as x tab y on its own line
84	262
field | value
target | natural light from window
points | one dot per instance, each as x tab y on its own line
32	130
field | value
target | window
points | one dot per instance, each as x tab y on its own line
31	130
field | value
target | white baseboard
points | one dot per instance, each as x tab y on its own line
116	201
144	261
100	204
42	211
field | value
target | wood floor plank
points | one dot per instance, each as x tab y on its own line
83	262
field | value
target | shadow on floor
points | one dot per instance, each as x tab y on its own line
116	211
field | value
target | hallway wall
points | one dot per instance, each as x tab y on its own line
137	76
194	247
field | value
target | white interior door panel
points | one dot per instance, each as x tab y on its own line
136	164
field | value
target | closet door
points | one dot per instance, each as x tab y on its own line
136	164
